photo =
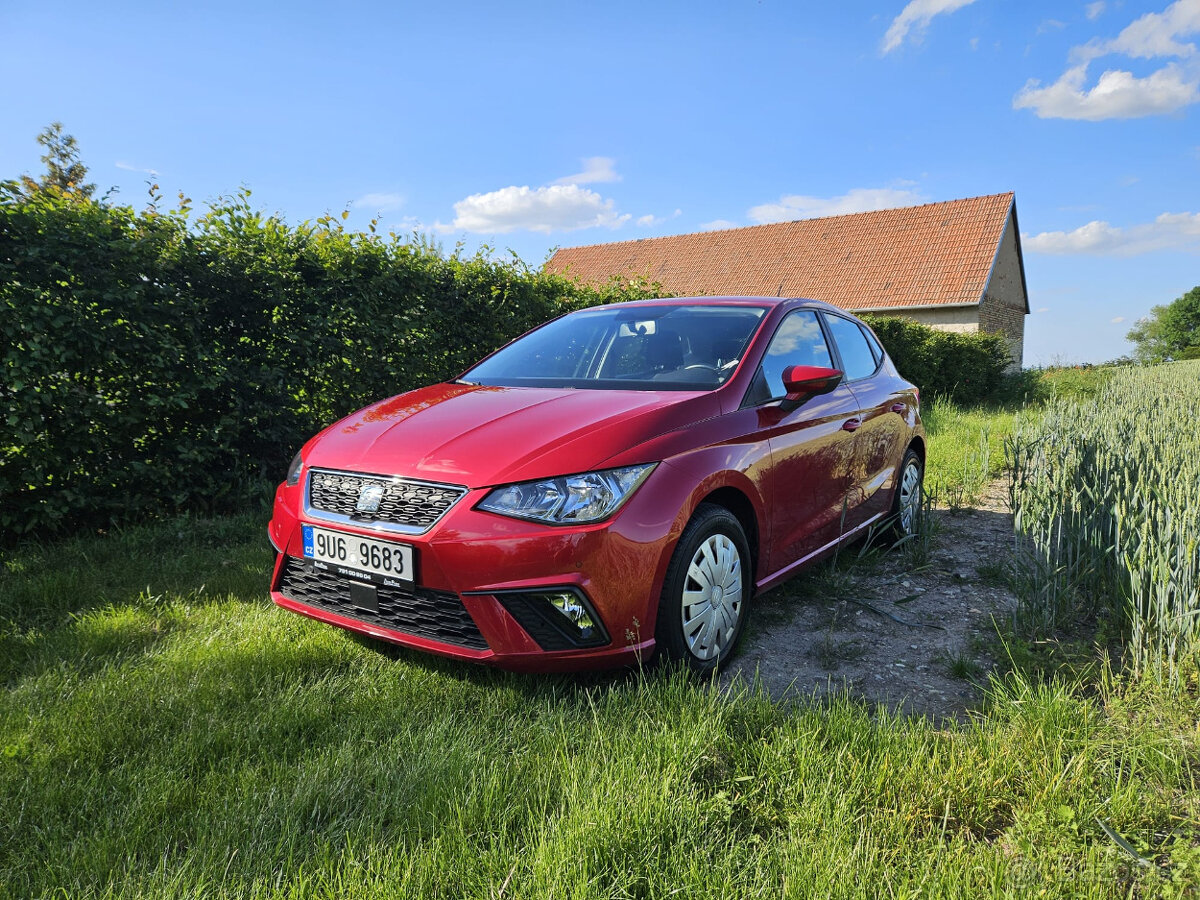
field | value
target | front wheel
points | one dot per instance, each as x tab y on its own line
703	605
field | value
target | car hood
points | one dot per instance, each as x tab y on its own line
481	436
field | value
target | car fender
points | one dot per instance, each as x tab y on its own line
710	470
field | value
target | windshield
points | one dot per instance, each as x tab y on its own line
648	348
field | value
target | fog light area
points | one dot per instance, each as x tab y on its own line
576	613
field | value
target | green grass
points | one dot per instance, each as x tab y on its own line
166	732
1075	382
966	449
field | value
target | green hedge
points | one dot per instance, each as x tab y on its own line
157	363
963	367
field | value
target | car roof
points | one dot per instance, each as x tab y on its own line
769	302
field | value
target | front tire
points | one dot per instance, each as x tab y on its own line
703	606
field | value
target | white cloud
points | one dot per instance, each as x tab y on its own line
558	207
129	167
1117	320
718	225
1119	94
651	219
380	202
1170	231
798	206
914	18
1095	10
1154	34
413	225
595	169
1042	309
974	43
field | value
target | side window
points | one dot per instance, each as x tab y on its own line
857	358
799	341
874	342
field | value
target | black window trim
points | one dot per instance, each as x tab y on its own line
837	351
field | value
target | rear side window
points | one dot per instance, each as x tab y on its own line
874	342
799	341
857	359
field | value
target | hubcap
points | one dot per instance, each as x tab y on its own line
910	496
712	597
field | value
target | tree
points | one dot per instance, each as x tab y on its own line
64	171
1169	332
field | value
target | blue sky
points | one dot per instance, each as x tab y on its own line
527	126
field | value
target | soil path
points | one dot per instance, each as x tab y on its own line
802	644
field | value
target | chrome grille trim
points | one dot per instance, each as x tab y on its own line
409	505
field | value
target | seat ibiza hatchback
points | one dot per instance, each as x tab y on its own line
621	481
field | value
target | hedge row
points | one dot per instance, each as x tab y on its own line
152	363
155	363
964	367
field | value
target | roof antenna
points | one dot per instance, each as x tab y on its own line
779	293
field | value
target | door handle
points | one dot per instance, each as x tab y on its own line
851	425
898	407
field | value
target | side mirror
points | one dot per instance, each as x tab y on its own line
802	382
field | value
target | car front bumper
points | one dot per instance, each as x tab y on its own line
472	564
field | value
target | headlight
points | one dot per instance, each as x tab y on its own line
570	500
293	473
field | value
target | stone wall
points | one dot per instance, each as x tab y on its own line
1003	306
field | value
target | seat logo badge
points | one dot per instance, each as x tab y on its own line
369	498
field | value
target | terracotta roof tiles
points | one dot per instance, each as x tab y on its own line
933	255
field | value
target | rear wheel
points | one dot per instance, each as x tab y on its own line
906	504
703	605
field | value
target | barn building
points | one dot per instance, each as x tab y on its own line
954	265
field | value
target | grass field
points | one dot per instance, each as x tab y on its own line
166	732
966	449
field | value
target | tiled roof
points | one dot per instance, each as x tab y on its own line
932	255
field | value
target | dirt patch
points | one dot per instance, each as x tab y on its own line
816	634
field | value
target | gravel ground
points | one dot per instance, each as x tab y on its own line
813	635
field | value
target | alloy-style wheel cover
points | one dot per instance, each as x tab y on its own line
712	597
910	496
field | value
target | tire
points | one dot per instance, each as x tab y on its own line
699	622
906	499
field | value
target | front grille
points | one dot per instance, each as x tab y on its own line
410	505
437	615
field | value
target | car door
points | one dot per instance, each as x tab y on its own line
810	452
879	437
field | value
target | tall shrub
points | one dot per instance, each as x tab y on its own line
965	367
152	363
97	353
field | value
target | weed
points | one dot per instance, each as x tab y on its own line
997	572
962	665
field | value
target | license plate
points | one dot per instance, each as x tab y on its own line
383	562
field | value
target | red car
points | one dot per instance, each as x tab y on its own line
620	481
